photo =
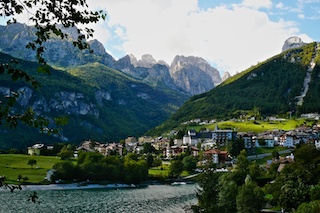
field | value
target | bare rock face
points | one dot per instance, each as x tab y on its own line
225	76
193	74
128	65
159	75
146	61
292	42
62	53
97	47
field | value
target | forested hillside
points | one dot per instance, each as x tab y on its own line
271	87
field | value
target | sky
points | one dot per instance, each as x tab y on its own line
231	35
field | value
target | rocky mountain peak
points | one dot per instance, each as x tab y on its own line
292	42
97	47
133	60
193	74
225	76
162	62
146	61
72	32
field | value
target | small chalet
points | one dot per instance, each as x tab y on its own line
36	149
216	156
176	150
194	151
282	162
110	148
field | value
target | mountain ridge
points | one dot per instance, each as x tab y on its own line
61	53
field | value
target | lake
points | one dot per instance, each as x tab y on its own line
153	198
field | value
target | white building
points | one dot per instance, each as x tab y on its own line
266	140
221	137
190	138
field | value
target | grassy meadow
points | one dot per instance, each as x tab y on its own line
263	150
13	165
256	126
160	172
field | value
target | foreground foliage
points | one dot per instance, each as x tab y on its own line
248	188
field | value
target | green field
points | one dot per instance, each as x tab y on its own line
257	126
158	173
13	165
263	150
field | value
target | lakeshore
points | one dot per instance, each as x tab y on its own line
73	186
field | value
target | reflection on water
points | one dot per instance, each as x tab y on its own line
154	198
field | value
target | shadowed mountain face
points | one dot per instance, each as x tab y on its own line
100	103
286	83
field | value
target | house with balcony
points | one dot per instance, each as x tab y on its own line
216	156
221	136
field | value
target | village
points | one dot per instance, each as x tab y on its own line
210	144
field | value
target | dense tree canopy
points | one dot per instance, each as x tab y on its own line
95	167
249	187
175	168
234	191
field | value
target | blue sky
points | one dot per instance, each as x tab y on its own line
231	35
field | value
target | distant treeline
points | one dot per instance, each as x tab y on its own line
93	166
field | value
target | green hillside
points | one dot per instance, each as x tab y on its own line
130	109
270	88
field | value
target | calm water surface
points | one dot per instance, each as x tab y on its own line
154	198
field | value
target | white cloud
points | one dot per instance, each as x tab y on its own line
233	37
279	5
257	3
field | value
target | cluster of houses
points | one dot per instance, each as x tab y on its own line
104	149
210	141
288	139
